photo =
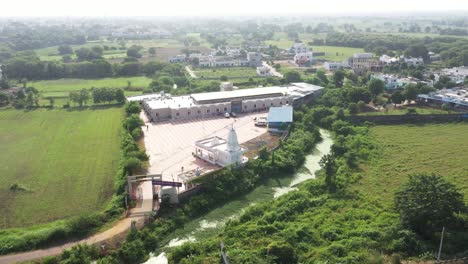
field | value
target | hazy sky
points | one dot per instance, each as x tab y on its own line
219	7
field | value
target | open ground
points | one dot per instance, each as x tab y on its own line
407	149
65	161
170	144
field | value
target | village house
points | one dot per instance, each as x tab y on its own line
299	48
362	62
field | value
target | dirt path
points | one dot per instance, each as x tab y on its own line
192	73
119	228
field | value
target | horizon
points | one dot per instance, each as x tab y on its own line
213	8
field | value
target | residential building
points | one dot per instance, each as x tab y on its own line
161	107
219	151
279	118
385	59
362	62
456	74
299	48
254	59
178	58
335	65
414	61
303	59
391	81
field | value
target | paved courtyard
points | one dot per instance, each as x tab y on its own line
170	144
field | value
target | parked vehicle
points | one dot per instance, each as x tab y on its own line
227	115
233	114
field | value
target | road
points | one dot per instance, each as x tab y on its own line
119	228
192	73
272	70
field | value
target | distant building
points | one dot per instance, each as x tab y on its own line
335	65
299	48
279	118
391	81
414	61
303	59
255	59
219	151
162	107
456	74
362	62
385	59
178	58
457	98
264	71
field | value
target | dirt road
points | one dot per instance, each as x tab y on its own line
119	228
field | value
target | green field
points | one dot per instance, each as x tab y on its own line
65	160
407	149
419	110
333	53
236	72
61	87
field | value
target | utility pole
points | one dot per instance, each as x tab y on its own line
441	241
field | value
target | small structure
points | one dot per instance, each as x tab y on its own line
391	81
226	86
457	98
178	58
387	59
303	59
335	65
279	118
299	48
219	151
414	61
264	71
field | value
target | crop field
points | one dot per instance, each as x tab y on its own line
58	87
334	53
63	161
407	149
236	72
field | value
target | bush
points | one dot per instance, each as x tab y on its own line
137	133
83	225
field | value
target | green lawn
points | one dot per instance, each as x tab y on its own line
66	160
407	149
334	53
235	72
422	111
67	85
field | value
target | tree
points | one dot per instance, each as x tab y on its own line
321	75
120	96
134	52
376	87
338	78
397	97
426	203
152	51
328	164
418	51
353	108
223	78
292	76
65	49
410	92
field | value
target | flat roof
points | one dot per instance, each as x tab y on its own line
282	114
226	95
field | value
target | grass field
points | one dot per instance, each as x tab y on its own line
334	53
419	110
66	160
63	86
407	149
237	72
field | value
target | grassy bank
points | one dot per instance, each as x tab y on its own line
64	160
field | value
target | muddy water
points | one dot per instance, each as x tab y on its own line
212	222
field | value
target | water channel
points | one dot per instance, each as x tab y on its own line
212	222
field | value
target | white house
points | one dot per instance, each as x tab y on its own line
264	71
387	59
299	48
391	81
334	65
178	58
414	61
219	151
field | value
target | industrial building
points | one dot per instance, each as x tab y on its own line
279	118
162	107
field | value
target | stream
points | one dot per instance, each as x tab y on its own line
213	221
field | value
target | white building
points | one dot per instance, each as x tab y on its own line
264	71
219	151
178	58
162	107
414	61
387	59
335	65
391	81
456	74
299	48
254	59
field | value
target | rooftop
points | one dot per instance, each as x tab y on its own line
283	114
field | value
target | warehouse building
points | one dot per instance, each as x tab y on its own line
162	107
279	118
